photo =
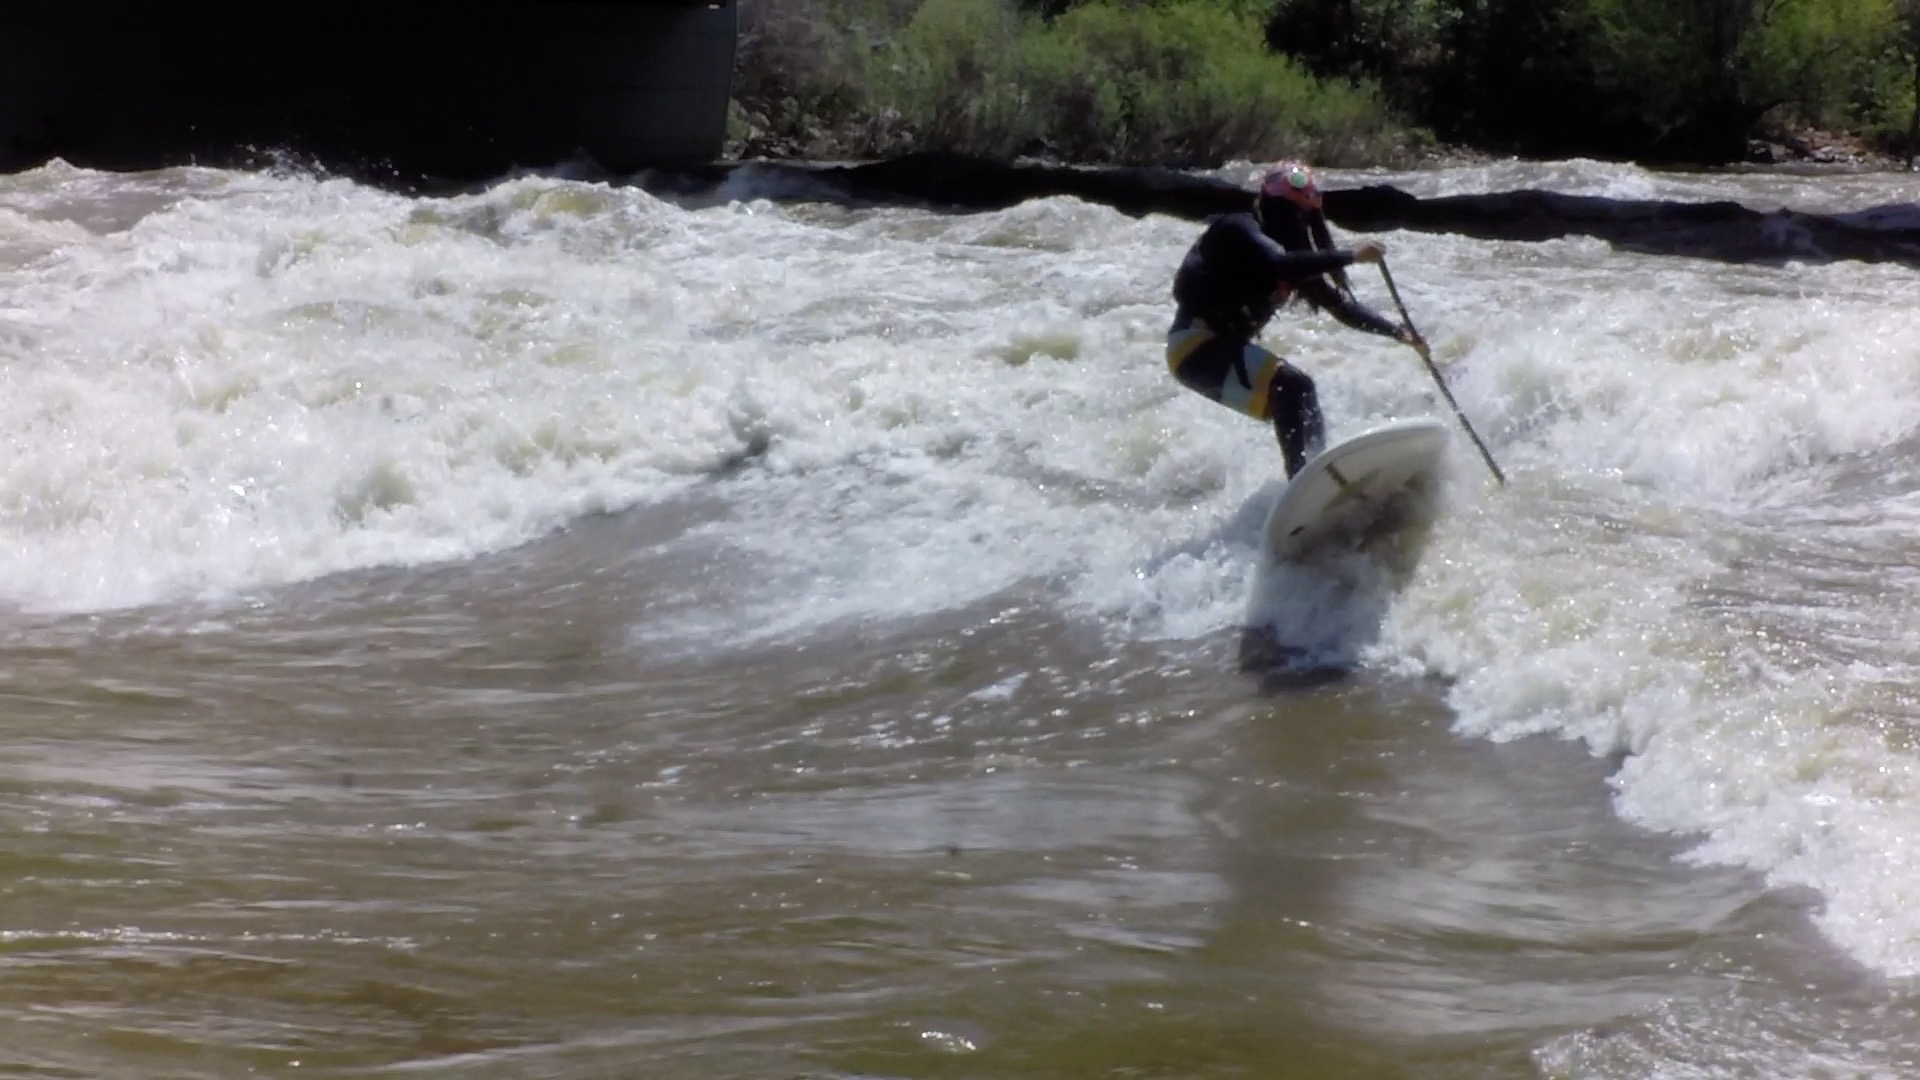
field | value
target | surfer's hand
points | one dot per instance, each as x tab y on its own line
1369	251
1406	335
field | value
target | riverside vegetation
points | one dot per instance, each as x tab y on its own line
1194	83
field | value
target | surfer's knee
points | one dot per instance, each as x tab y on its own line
1291	385
1294	406
1294	401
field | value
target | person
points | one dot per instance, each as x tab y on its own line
1236	275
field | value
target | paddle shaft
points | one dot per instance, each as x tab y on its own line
1420	346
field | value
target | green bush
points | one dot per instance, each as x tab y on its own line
802	72
1194	83
1833	63
1197	83
1178	82
953	76
1087	112
1885	104
1684	80
1181	82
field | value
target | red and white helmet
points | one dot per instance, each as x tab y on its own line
1293	182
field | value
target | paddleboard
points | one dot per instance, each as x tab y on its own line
1376	483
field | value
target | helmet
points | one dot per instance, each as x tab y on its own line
1293	182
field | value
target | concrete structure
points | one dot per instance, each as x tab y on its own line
456	89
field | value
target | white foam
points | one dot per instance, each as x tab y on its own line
1812	191
216	383
1623	592
290	378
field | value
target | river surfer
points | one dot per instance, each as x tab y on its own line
1240	271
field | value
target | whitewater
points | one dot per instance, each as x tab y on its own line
578	465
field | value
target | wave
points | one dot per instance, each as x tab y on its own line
1722	230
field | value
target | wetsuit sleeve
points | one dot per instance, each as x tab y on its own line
1297	266
1348	310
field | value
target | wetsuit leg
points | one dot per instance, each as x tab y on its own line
1230	370
1249	379
1294	405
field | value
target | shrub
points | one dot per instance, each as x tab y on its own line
1181	82
802	71
954	76
1650	79
1833	63
1177	82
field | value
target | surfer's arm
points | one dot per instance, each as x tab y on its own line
1349	311
1295	267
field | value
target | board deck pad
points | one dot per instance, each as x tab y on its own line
1379	481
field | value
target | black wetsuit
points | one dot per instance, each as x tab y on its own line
1230	284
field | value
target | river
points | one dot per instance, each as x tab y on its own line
555	631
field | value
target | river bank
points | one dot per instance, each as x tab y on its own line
1789	145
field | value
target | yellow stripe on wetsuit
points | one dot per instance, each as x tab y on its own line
1259	366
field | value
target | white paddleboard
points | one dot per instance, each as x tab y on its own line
1378	482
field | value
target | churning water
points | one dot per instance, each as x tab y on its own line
558	632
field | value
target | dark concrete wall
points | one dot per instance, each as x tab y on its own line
431	88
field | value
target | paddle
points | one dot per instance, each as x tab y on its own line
1420	346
